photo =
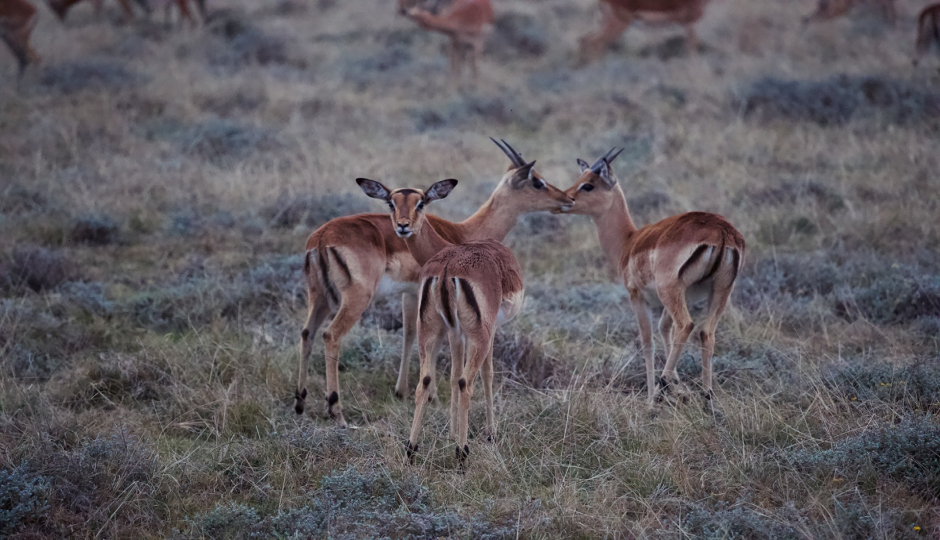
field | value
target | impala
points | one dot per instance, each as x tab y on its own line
619	14
348	258
464	21
672	263
928	30
831	9
466	291
61	7
17	20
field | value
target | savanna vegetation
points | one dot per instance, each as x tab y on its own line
157	185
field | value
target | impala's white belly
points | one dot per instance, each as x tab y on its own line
401	275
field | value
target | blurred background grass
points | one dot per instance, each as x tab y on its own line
157	186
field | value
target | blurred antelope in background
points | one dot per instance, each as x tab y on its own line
619	14
61	8
349	259
831	9
465	22
928	31
17	20
672	263
466	291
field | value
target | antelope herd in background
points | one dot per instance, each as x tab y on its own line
468	22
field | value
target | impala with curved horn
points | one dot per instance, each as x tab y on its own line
348	258
672	263
17	20
466	291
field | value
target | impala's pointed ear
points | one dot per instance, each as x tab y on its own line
439	190
374	189
522	175
583	164
603	170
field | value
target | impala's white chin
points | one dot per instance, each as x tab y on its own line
566	207
404	234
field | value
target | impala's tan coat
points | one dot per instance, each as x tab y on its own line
831	9
618	15
677	261
466	291
17	20
465	22
348	258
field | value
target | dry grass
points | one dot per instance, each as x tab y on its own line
157	186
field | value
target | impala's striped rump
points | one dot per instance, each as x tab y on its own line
452	292
321	279
707	260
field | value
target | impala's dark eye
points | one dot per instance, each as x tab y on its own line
419	206
538	183
587	187
391	205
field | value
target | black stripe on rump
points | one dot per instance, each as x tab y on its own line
425	292
471	298
714	269
340	262
445	303
325	274
696	256
737	263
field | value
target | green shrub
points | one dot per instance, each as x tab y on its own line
22	498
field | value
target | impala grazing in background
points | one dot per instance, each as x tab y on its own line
466	291
348	258
831	9
619	14
672	263
17	20
464	21
61	8
928	31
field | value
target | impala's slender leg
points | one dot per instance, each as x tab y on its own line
717	302
475	53
665	331
487	373
594	44
642	312
457	363
673	300
317	311
429	342
409	318
128	12
478	349
185	14
354	302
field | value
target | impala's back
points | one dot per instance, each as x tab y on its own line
653	11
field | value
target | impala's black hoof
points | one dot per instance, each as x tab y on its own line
299	397
411	451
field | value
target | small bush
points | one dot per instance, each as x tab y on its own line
37	268
243	43
916	386
97	230
17	199
77	76
219	141
351	504
737	521
907	452
839	99
289	211
116	379
522	360
22	498
891	297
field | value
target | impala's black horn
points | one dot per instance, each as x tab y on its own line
609	157
513	156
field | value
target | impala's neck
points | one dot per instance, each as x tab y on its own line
425	245
493	220
615	228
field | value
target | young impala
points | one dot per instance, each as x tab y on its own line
464	21
619	14
348	258
17	20
672	263
466	291
831	9
928	31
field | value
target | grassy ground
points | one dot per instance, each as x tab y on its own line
157	186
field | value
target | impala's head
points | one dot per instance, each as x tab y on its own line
526	189
407	204
592	189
